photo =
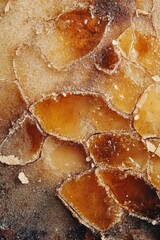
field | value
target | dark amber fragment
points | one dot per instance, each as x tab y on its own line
107	59
132	192
119	149
90	202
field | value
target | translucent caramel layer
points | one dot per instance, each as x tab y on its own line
77	116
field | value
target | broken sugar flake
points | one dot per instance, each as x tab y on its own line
22	177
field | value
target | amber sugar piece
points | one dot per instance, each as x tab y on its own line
12	106
132	193
125	150
77	116
107	59
119	86
64	157
90	202
147	113
23	144
73	35
153	145
154	171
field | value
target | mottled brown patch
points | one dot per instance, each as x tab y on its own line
106	58
112	10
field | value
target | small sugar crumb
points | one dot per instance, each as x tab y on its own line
136	117
114	42
7	8
22	177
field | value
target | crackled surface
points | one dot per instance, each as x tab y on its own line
89	113
84	195
79	98
123	150
130	191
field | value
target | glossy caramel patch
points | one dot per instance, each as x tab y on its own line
132	193
77	116
24	143
90	201
12	106
123	150
73	35
64	157
147	113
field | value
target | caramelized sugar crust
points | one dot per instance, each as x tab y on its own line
79	98
90	201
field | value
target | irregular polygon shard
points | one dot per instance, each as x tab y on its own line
90	202
154	171
23	144
140	44
107	59
118	149
76	116
119	86
12	106
147	113
71	36
63	157
132	192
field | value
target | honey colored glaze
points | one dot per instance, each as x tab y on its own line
148	48
75	34
119	150
147	113
64	157
107	58
125	41
90	201
24	142
77	116
154	171
119	86
12	105
132	193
